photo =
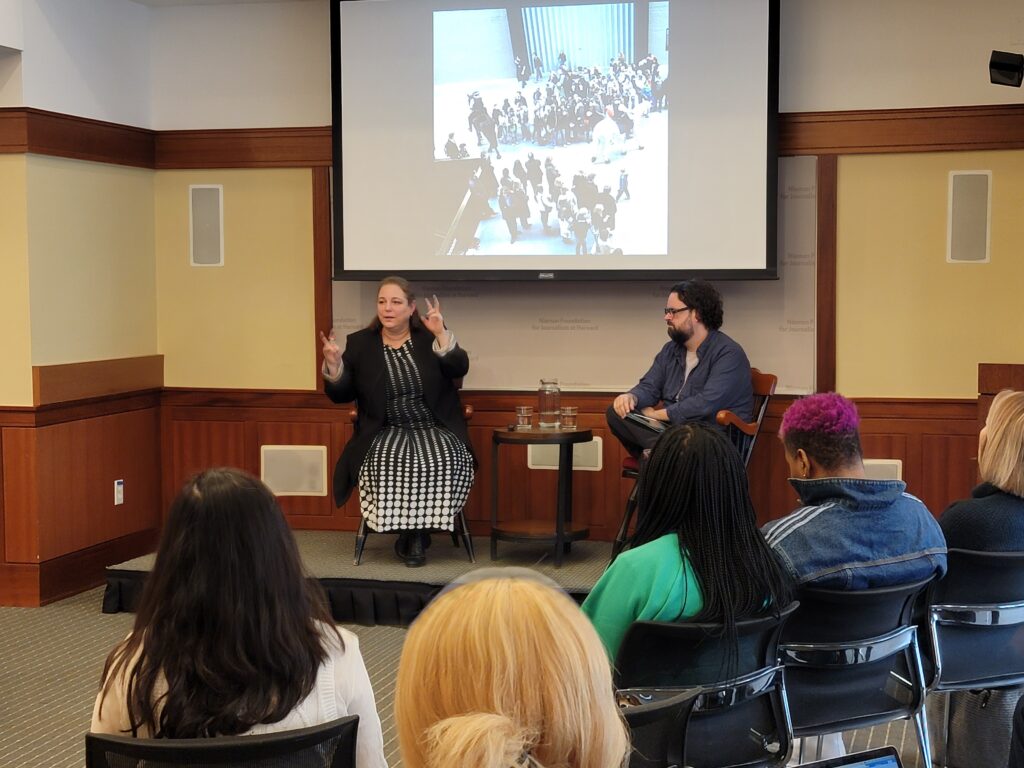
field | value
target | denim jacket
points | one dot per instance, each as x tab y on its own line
721	379
857	534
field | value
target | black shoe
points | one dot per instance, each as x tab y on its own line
402	545
414	554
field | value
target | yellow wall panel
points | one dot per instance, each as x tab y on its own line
92	277
16	338
909	324
249	323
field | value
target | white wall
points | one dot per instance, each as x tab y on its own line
257	65
268	64
892	54
89	59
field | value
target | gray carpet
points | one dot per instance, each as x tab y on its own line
328	555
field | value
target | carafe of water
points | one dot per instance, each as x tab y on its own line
549	398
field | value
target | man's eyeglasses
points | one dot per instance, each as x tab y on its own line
676	311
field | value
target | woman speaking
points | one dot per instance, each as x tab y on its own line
410	453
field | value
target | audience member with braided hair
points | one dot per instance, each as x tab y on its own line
852	532
697	552
504	671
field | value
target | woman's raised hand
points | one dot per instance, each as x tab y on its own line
434	320
332	353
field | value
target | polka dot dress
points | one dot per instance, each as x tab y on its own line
417	474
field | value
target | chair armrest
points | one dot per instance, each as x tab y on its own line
730	419
353	415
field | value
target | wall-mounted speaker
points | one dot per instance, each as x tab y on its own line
968	218
1006	68
206	225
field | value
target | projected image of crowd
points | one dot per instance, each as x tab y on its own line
560	157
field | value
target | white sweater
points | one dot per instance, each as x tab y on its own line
342	688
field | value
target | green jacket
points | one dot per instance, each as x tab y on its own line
649	583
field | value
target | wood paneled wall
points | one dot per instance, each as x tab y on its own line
936	440
59	526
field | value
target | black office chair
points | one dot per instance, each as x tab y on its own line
852	661
975	620
743	435
742	719
330	745
460	529
657	720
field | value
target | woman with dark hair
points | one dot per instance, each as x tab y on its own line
696	553
410	453
230	637
852	532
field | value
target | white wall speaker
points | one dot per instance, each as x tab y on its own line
206	225
969	217
294	470
586	457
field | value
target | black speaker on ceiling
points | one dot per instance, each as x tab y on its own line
1006	68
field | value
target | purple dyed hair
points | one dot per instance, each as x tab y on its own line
826	413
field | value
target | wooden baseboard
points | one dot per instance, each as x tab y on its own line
32	585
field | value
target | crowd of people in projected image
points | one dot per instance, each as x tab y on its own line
557	152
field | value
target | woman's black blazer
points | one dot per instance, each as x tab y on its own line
364	379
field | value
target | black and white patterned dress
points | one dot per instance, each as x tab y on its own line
417	474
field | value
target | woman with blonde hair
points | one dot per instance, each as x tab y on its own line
992	519
506	672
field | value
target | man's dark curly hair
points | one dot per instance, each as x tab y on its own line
703	297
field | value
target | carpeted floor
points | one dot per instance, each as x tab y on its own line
51	657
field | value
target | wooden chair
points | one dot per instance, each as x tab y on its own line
743	434
459	531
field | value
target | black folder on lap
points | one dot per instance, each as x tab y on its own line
647	422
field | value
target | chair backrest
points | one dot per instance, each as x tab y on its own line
657	653
843	615
657	726
976	620
744	433
750	702
852	658
329	745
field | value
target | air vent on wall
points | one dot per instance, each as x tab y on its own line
294	470
585	456
883	469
